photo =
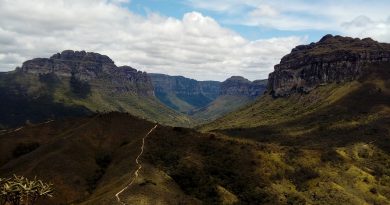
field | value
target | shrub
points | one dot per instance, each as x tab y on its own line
24	148
19	189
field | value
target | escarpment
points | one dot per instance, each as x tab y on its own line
332	59
89	66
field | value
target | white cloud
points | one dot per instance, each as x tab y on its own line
298	15
363	26
264	11
195	46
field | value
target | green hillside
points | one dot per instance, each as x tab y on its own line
36	98
219	107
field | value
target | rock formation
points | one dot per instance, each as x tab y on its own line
239	86
88	66
332	59
185	86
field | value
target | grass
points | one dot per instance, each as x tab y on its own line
54	96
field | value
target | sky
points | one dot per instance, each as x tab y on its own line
200	39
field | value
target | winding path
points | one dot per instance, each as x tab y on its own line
136	173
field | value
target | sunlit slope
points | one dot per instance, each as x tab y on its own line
355	110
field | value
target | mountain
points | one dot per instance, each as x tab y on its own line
327	113
75	83
332	59
205	100
326	145
184	94
234	93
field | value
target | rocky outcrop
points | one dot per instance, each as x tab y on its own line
332	59
239	86
88	66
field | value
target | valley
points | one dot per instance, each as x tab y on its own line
316	132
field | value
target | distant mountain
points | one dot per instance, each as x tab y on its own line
74	83
184	94
205	100
235	92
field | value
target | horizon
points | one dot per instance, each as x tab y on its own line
194	39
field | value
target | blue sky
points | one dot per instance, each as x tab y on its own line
177	9
200	39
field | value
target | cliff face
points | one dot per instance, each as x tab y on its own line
239	86
332	59
77	83
205	100
88	66
185	86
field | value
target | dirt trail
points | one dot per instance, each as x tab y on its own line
136	173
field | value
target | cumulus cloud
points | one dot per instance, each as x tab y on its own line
363	26
327	15
195	46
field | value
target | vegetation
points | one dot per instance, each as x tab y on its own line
24	148
39	98
80	88
20	190
315	148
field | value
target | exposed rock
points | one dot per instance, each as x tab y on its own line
332	59
88	66
239	86
185	86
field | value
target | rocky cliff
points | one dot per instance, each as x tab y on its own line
77	83
239	86
185	86
89	66
192	96
332	59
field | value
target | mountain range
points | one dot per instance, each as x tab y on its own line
318	134
79	83
206	100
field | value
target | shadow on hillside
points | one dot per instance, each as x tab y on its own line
17	109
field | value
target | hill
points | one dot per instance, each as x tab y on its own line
78	83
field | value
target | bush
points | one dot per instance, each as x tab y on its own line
19	189
24	148
103	160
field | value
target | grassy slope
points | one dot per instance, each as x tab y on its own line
219	107
172	101
332	146
71	155
320	148
184	166
101	99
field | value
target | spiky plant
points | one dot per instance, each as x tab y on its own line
20	190
3	196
